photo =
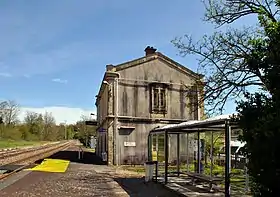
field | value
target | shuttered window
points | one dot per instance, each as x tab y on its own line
158	98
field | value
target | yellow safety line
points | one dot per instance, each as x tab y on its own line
52	165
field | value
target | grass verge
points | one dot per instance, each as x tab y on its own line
237	175
21	143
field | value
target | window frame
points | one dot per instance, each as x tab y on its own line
158	98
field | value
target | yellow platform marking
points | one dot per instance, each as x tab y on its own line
52	165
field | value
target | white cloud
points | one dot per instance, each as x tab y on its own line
5	75
61	114
60	80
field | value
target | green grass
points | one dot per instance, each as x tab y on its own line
137	168
92	150
21	143
237	176
217	170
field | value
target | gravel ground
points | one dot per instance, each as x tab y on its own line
80	180
86	178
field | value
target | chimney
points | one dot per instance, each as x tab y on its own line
150	50
109	67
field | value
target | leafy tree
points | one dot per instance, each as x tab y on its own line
23	128
218	143
60	130
70	131
36	126
49	123
261	130
34	122
84	132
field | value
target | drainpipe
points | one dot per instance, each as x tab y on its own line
198	102
116	147
116	144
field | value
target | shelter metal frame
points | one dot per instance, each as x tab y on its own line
217	124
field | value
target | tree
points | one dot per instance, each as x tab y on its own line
261	130
84	131
9	111
227	58
218	142
60	131
35	124
259	115
238	60
49	122
70	131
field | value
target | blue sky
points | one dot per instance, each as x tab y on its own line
53	53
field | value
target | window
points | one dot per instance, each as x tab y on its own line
158	98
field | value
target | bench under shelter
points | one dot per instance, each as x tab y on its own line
222	123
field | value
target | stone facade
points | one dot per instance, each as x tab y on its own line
136	97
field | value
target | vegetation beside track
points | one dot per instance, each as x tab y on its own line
19	143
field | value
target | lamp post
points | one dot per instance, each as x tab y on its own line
65	129
92	138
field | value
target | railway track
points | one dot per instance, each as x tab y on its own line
24	162
18	151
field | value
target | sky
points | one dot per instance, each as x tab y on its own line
53	54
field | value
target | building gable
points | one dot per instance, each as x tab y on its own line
151	57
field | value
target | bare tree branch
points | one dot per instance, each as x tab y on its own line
234	60
9	111
225	62
223	12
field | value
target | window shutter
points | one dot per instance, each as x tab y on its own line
156	98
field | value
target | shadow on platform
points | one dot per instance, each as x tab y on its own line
73	156
135	186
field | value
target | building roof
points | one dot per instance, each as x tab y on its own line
216	123
152	55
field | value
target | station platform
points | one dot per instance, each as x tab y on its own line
64	175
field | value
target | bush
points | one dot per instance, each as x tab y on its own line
11	133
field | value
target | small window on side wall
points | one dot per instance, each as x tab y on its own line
158	98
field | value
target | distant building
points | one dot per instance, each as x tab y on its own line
139	95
